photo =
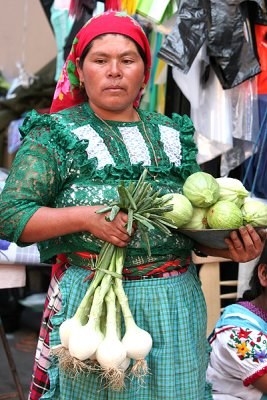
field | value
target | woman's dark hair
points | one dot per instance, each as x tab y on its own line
89	46
255	287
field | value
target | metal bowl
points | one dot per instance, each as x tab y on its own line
211	237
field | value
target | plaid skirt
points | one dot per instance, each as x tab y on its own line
172	310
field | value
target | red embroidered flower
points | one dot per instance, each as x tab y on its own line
243	334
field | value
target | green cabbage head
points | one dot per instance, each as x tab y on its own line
255	213
224	215
201	189
182	209
198	220
233	190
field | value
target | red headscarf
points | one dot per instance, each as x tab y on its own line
68	92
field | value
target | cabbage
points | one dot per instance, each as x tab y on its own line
201	189
182	209
233	190
224	215
254	213
198	220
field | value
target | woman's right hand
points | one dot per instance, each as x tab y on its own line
47	223
114	232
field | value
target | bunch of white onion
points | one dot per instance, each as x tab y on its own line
91	339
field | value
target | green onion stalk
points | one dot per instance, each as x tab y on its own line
91	340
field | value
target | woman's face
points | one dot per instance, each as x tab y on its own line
112	73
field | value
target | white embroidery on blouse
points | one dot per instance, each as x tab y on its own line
96	147
171	143
135	145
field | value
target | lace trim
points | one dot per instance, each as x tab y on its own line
171	143
96	147
248	381
136	145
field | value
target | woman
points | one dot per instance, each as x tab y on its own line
238	361
68	167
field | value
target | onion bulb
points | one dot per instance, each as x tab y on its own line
111	353
66	328
84	340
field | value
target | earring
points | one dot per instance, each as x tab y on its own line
81	85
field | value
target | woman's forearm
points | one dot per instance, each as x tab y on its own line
224	253
47	223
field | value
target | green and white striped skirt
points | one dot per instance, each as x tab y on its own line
173	311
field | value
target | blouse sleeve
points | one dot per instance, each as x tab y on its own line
240	353
32	183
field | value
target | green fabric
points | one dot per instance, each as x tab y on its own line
173	311
52	168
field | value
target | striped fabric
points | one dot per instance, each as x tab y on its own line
178	358
158	269
40	380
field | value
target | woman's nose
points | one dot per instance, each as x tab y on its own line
114	68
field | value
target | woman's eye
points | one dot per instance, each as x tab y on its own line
100	61
127	61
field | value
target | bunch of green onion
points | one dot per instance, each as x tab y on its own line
92	338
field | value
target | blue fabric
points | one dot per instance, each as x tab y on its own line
241	317
255	177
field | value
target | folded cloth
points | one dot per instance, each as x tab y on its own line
12	275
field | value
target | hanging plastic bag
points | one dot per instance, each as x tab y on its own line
24	79
188	34
245	111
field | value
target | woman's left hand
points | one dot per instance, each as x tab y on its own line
245	247
241	248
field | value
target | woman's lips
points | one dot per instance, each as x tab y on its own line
113	88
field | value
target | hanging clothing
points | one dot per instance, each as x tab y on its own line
62	24
154	95
156	11
261	40
255	167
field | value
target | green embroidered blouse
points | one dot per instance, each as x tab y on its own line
72	158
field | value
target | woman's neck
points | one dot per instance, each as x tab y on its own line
128	115
260	302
